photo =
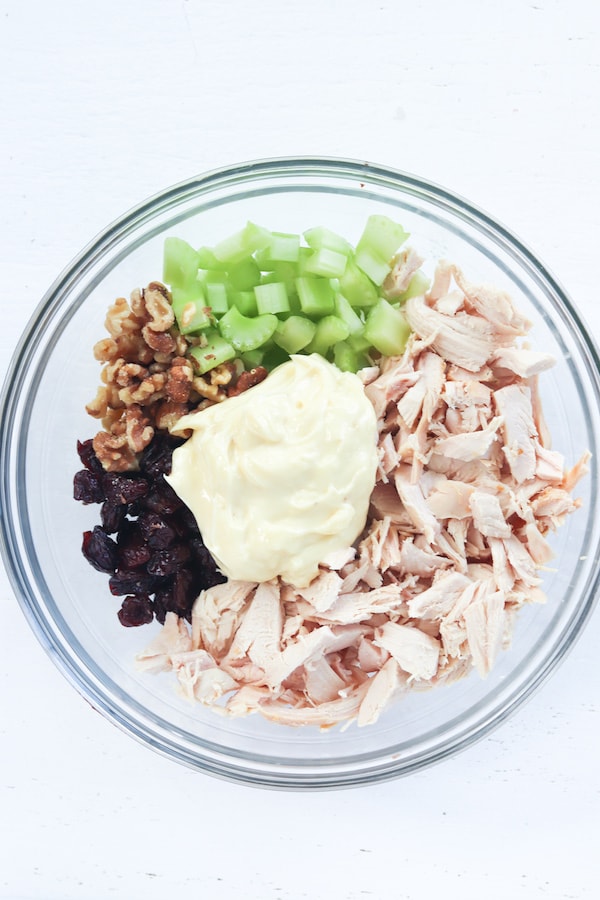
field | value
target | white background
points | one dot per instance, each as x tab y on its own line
102	105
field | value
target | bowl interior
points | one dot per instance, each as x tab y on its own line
55	374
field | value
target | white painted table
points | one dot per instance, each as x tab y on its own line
104	104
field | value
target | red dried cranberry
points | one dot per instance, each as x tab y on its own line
161	604
132	582
162	499
100	550
88	487
87	455
157	531
156	458
209	577
188	520
136	611
124	489
159	562
112	516
134	552
168	562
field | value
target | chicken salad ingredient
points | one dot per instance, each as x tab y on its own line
281	476
467	494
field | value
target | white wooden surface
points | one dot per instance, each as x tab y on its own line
103	104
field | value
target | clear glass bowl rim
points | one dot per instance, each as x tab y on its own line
212	761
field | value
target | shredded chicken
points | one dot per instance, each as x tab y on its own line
467	492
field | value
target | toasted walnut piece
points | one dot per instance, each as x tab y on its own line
138	307
138	429
160	365
247	380
120	319
209	391
179	380
133	348
158	306
111	370
160	341
130	373
146	391
114	452
181	345
111	422
167	413
105	350
99	405
223	374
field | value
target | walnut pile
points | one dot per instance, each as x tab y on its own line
148	382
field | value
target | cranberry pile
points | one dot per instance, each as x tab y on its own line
156	560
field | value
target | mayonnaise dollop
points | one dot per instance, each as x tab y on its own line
281	475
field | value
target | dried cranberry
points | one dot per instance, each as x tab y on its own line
123	489
161	498
112	516
157	530
187	520
158	562
161	603
168	562
132	582
209	578
201	555
134	552
100	550
136	611
183	593
87	455
156	458
88	487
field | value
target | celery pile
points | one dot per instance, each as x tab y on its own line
262	295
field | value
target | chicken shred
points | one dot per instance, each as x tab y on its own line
467	493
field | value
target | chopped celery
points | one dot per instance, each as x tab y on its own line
316	296
372	265
281	248
418	284
359	342
245	333
325	262
244	243
344	311
356	287
262	296
283	272
322	238
377	245
271	298
213	276
245	302
294	334
180	262
190	308
347	358
208	260
216	297
382	237
274	356
304	254
330	330
387	329
244	275
215	352
253	358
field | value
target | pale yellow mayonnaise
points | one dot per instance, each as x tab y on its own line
280	476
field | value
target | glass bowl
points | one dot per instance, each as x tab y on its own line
53	375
